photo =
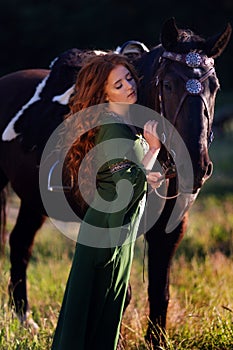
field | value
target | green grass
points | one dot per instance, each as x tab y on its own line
47	275
221	153
200	314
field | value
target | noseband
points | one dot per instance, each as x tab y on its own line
193	87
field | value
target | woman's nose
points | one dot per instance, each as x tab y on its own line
129	85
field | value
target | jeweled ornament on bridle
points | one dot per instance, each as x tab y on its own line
193	86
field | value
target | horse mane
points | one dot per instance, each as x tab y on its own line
145	67
41	117
64	69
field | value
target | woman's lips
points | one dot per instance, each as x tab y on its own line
132	94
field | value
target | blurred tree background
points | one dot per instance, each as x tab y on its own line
33	33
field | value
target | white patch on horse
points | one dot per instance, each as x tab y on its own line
9	133
64	98
99	52
53	62
197	72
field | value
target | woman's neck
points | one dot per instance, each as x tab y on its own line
122	109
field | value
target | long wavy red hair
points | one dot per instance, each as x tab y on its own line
89	91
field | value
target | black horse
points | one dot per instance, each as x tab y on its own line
166	88
179	82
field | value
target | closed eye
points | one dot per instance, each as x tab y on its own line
118	86
129	77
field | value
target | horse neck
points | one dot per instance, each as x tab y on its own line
147	67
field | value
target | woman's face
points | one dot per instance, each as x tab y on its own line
121	87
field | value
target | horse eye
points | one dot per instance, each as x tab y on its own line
167	85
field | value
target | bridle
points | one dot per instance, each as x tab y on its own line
194	87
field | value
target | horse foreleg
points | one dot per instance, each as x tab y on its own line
161	249
3	200
21	243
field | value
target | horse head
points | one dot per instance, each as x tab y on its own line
183	92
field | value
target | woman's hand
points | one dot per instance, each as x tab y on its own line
150	134
155	179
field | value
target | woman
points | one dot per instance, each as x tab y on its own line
92	307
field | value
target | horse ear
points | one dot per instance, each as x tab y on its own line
169	34
216	44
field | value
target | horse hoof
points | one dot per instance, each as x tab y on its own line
28	322
153	342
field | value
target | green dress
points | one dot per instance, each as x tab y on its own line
92	307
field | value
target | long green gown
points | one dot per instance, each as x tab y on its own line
92	307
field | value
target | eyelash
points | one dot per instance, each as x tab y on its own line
129	78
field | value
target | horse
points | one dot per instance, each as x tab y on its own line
178	80
165	88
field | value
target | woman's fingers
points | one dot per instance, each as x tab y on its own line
150	134
155	179
154	129
151	127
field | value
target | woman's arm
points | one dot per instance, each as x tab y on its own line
150	135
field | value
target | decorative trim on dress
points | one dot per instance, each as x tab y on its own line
125	164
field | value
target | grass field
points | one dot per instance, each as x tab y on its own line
201	307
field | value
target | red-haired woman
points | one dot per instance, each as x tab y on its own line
93	303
